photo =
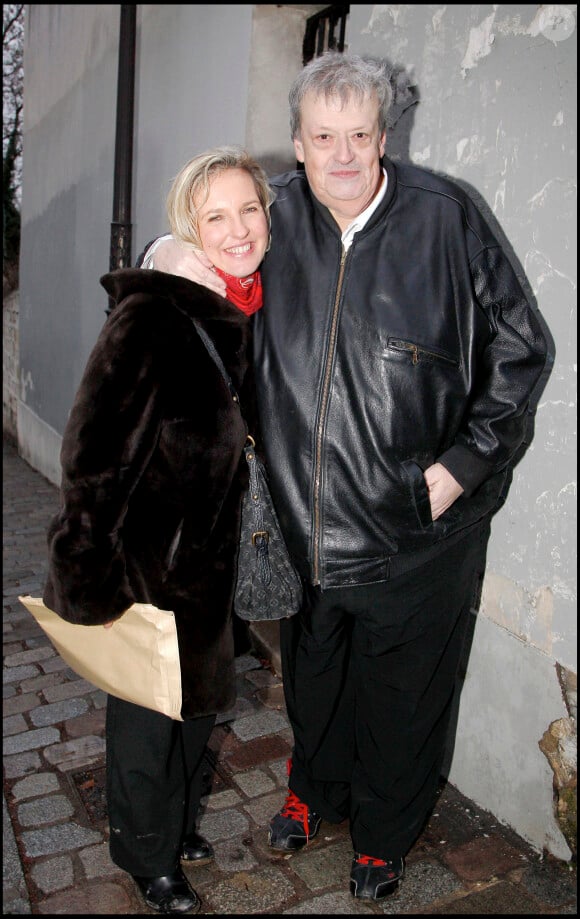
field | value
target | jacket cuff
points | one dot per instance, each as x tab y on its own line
146	259
466	467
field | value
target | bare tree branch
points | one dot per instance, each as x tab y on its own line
12	16
12	107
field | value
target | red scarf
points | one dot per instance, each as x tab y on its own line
245	293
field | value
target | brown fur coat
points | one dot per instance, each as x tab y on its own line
152	475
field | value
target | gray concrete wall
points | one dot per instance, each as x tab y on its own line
70	64
191	93
486	94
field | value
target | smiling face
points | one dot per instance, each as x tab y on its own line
340	147
232	224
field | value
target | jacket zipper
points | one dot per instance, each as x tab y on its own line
321	426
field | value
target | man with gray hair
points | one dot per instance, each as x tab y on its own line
395	358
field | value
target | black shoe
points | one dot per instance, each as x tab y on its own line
169	894
294	826
372	878
196	849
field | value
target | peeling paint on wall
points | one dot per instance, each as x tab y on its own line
481	38
540	197
540	269
26	383
380	16
528	616
471	150
422	156
554	22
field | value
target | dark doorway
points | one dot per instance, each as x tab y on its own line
325	31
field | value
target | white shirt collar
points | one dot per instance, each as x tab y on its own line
360	221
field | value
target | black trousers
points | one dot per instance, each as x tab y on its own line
154	783
369	679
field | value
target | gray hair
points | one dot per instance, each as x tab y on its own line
342	75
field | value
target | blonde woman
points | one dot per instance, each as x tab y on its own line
152	482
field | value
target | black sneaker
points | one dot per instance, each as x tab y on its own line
294	826
373	878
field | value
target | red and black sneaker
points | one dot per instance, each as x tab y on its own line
294	825
374	878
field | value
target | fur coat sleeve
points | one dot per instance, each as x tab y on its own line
111	433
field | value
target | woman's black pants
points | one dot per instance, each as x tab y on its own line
369	678
154	784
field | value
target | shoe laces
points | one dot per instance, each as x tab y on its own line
296	810
371	862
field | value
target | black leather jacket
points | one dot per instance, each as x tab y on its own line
417	346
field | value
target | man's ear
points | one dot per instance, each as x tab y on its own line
299	149
382	144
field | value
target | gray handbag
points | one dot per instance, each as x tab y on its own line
268	585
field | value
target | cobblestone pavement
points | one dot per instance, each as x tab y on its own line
56	857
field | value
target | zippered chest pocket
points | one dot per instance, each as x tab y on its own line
417	353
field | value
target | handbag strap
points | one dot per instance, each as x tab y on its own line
260	536
217	359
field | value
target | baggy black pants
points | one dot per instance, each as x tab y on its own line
369	678
154	783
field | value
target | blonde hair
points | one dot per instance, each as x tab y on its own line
195	177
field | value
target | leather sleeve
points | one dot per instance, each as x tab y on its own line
508	370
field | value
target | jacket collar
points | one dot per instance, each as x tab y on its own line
185	295
381	210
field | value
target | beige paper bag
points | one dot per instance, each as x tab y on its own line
137	659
